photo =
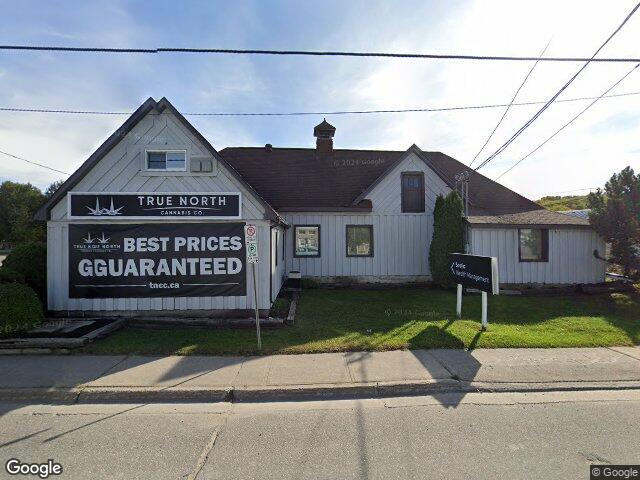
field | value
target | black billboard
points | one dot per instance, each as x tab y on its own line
157	260
110	206
475	271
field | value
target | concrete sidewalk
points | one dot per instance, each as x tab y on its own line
329	375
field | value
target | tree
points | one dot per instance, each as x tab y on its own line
29	261
18	204
615	215
448	236
568	202
51	189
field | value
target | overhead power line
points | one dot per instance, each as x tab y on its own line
568	123
335	112
557	94
568	191
33	163
506	110
312	53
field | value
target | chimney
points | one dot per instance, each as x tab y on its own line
324	136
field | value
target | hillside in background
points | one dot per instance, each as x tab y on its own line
569	202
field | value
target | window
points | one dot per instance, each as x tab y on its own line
170	160
306	241
534	244
412	192
359	240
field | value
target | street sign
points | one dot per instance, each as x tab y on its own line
475	271
251	241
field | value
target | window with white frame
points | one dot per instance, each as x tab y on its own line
169	160
533	244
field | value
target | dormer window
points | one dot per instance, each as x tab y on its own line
412	188
169	160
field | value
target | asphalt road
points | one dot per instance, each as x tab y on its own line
507	435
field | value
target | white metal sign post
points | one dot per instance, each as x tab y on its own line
251	242
477	272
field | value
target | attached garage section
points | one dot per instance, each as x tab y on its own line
570	255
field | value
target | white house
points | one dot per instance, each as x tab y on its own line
152	221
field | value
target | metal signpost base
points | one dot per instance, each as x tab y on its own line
255	300
484	311
485	302
251	242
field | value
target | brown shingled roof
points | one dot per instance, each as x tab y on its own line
533	217
306	179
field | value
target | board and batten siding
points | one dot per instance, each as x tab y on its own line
121	170
400	240
400	246
571	258
278	263
386	196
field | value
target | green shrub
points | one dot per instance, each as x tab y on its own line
30	260
20	308
8	275
448	233
280	307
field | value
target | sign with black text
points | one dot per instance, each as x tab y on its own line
157	260
475	271
110	206
251	241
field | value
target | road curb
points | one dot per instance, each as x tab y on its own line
153	394
251	394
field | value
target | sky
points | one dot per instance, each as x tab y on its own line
603	141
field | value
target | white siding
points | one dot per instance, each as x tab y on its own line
386	196
571	257
278	263
401	240
121	171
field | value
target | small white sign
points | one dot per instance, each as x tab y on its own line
251	242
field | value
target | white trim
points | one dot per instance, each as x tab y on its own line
169	150
153	218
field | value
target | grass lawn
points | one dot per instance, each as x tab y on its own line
344	320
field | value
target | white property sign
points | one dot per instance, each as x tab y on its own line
251	240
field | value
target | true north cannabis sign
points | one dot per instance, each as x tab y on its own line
112	206
157	260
